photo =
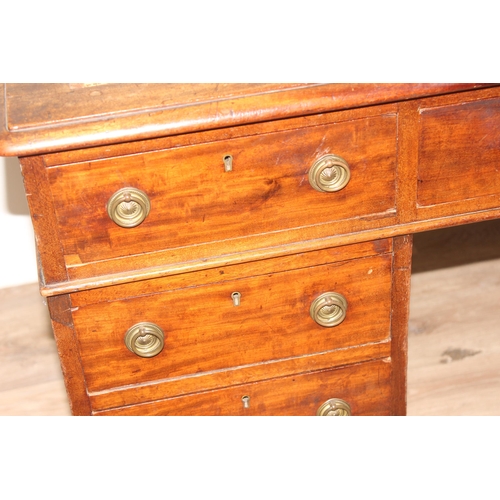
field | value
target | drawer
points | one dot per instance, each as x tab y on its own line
204	330
365	387
193	200
459	156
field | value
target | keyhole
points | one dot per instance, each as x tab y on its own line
236	296
228	163
246	401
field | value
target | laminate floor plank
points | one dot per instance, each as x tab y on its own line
454	327
31	381
454	341
45	399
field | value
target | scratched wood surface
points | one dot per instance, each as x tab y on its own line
194	201
454	334
272	323
77	115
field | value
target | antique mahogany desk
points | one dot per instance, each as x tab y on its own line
242	249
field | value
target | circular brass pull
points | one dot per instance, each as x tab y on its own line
334	408
329	309
144	339
128	207
330	173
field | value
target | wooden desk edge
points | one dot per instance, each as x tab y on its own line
132	124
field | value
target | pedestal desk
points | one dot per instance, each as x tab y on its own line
242	249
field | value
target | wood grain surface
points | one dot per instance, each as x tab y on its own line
366	386
459	152
454	330
453	342
417	164
204	331
194	201
200	219
79	115
31	381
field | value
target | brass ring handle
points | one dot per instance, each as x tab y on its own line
144	339
329	174
334	408
128	207
329	309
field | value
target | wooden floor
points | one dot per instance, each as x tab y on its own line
454	332
30	375
454	329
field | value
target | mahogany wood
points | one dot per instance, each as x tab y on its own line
70	116
459	153
264	267
401	276
422	156
74	378
197	258
204	331
50	253
149	392
366	386
194	201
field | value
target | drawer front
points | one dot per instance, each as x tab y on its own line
365	387
459	155
204	330
193	200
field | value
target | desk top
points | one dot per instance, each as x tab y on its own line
43	118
